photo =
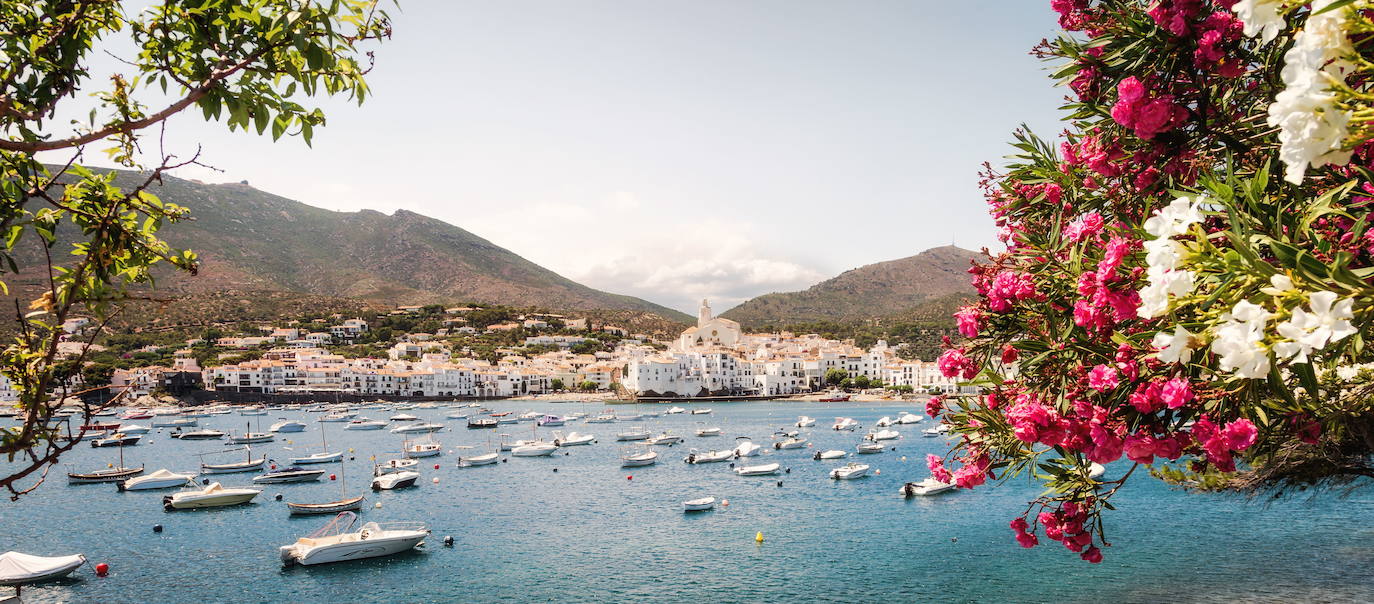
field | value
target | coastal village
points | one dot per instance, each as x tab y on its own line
715	357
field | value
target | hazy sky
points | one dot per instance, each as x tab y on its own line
676	150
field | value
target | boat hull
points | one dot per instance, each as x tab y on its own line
197	502
357	550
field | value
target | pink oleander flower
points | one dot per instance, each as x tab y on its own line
1146	398
1102	378
935	406
974	472
1107	446
1140	448
1093	555
937	468
1027	540
1176	393
1117	250
1083	227
1007	288
968	318
1009	354
953	363
1240	434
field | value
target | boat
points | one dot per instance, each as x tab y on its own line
351	504
338	417
785	433
878	435
114	474
249	465
252	411
396	465
481	422
19	569
467	461
333	542
1096	471
291	474
701	411
323	457
136	414
635	459
404	417
939	430
161	479
398	479
552	420
365	424
417	428
664	438
459	415
868	448
630	417
906	417
425	449
534	449
845	423
675	410
118	439
252	437
790	443
134	429
213	496
636	434
830	454
287	426
709	431
759	470
696	457
573	439
835	397
699	505
850	471
746	448
883	422
600	419
805	422
529	416
926	488
206	434
174	423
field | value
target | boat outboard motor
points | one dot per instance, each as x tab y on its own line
817	456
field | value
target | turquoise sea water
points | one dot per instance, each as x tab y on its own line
587	534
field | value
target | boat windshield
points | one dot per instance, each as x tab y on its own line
338	526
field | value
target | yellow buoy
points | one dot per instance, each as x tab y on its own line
758	538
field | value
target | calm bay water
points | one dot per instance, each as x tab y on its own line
587	534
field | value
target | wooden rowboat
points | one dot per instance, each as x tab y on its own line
110	475
333	507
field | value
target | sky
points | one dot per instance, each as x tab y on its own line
674	150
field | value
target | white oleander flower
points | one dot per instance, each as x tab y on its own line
1327	322
1312	129
1154	297
1173	347
1173	220
1163	254
1261	17
1239	341
1278	284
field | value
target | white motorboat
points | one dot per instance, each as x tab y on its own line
252	437
250	412
322	457
404	417
1096	470
746	448
629	417
467	461
869	447
906	417
878	435
213	496
600	419
399	479
395	465
19	569
365	424
118	439
701	411
636	459
759	470
939	430
675	410
805	422
333	542
291	474
926	488
845	423
636	434
206	434
697	457
339	417
850	471
552	420
534	449
134	429
161	479
287	426
830	454
459	415
709	431
883	422
699	505
790	443
417	428
429	449
529	416
174	423
664	438
573	439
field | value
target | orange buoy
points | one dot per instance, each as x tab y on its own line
102	569
332	477
631	477
436	466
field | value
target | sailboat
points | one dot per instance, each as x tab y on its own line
252	437
344	504
250	465
323	456
112	474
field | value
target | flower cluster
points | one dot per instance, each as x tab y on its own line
1163	255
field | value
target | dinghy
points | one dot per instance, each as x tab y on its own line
759	470
696	457
18	569
699	505
573	439
343	505
637	459
831	454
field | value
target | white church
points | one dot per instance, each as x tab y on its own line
711	331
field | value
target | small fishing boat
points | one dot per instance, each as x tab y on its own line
118	439
1096	471
636	434
746	448
701	411
845	423
939	430
287	426
351	504
291	474
759	470
664	438
830	454
481	422
114	474
696	457
699	505
20	569
404	417
213	496
425	449
174	423
636	459
396	465
869	448
249	465
790	443
883	422
573	439
926	488
709	431
333	542
252	437
161	479
467	461
835	397
459	415
322	457
417	428
338	417
136	414
675	410
850	471
805	422
206	434
600	419
534	449
529	416
252	411
134	429
629	417
399	479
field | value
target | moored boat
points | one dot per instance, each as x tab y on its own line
790	443
287	426
926	488
114	474
18	569
697	457
759	470
830	454
699	505
399	479
213	496
635	459
161	479
850	471
334	542
291	474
